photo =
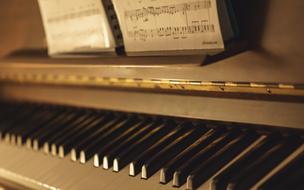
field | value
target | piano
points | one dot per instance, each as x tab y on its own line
234	123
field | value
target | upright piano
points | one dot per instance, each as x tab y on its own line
227	123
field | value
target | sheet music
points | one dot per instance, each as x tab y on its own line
76	26
160	25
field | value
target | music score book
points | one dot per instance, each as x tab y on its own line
170	27
143	27
78	27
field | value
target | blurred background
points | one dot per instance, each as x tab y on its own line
20	26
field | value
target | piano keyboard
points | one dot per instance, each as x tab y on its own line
86	148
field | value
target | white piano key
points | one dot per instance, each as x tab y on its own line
64	174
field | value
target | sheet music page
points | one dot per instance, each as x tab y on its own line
76	26
160	25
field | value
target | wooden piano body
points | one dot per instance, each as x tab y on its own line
261	87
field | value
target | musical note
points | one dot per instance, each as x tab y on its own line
169	25
143	13
152	21
175	32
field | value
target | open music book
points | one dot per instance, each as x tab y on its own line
144	27
79	27
158	27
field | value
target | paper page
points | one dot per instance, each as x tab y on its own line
76	26
166	25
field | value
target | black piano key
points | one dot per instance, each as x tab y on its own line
10	130
48	134
294	180
46	127
166	173
8	110
298	181
127	155
264	164
30	125
20	126
59	118
68	131
67	144
284	177
221	181
81	117
210	166
153	164
8	114
43	135
65	138
182	172
88	151
108	137
12	110
122	139
15	120
125	142
24	135
109	123
136	164
119	146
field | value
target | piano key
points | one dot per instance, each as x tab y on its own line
68	131
210	166
154	163
30	125
12	111
144	141
221	181
45	128
11	129
181	174
55	146
129	144
208	184
59	116
297	182
285	173
279	168
166	173
13	139
127	137
67	144
136	165
105	127
9	111
130	153
24	135
264	164
47	140
87	151
52	128
123	143
14	121
293	180
6	115
65	129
